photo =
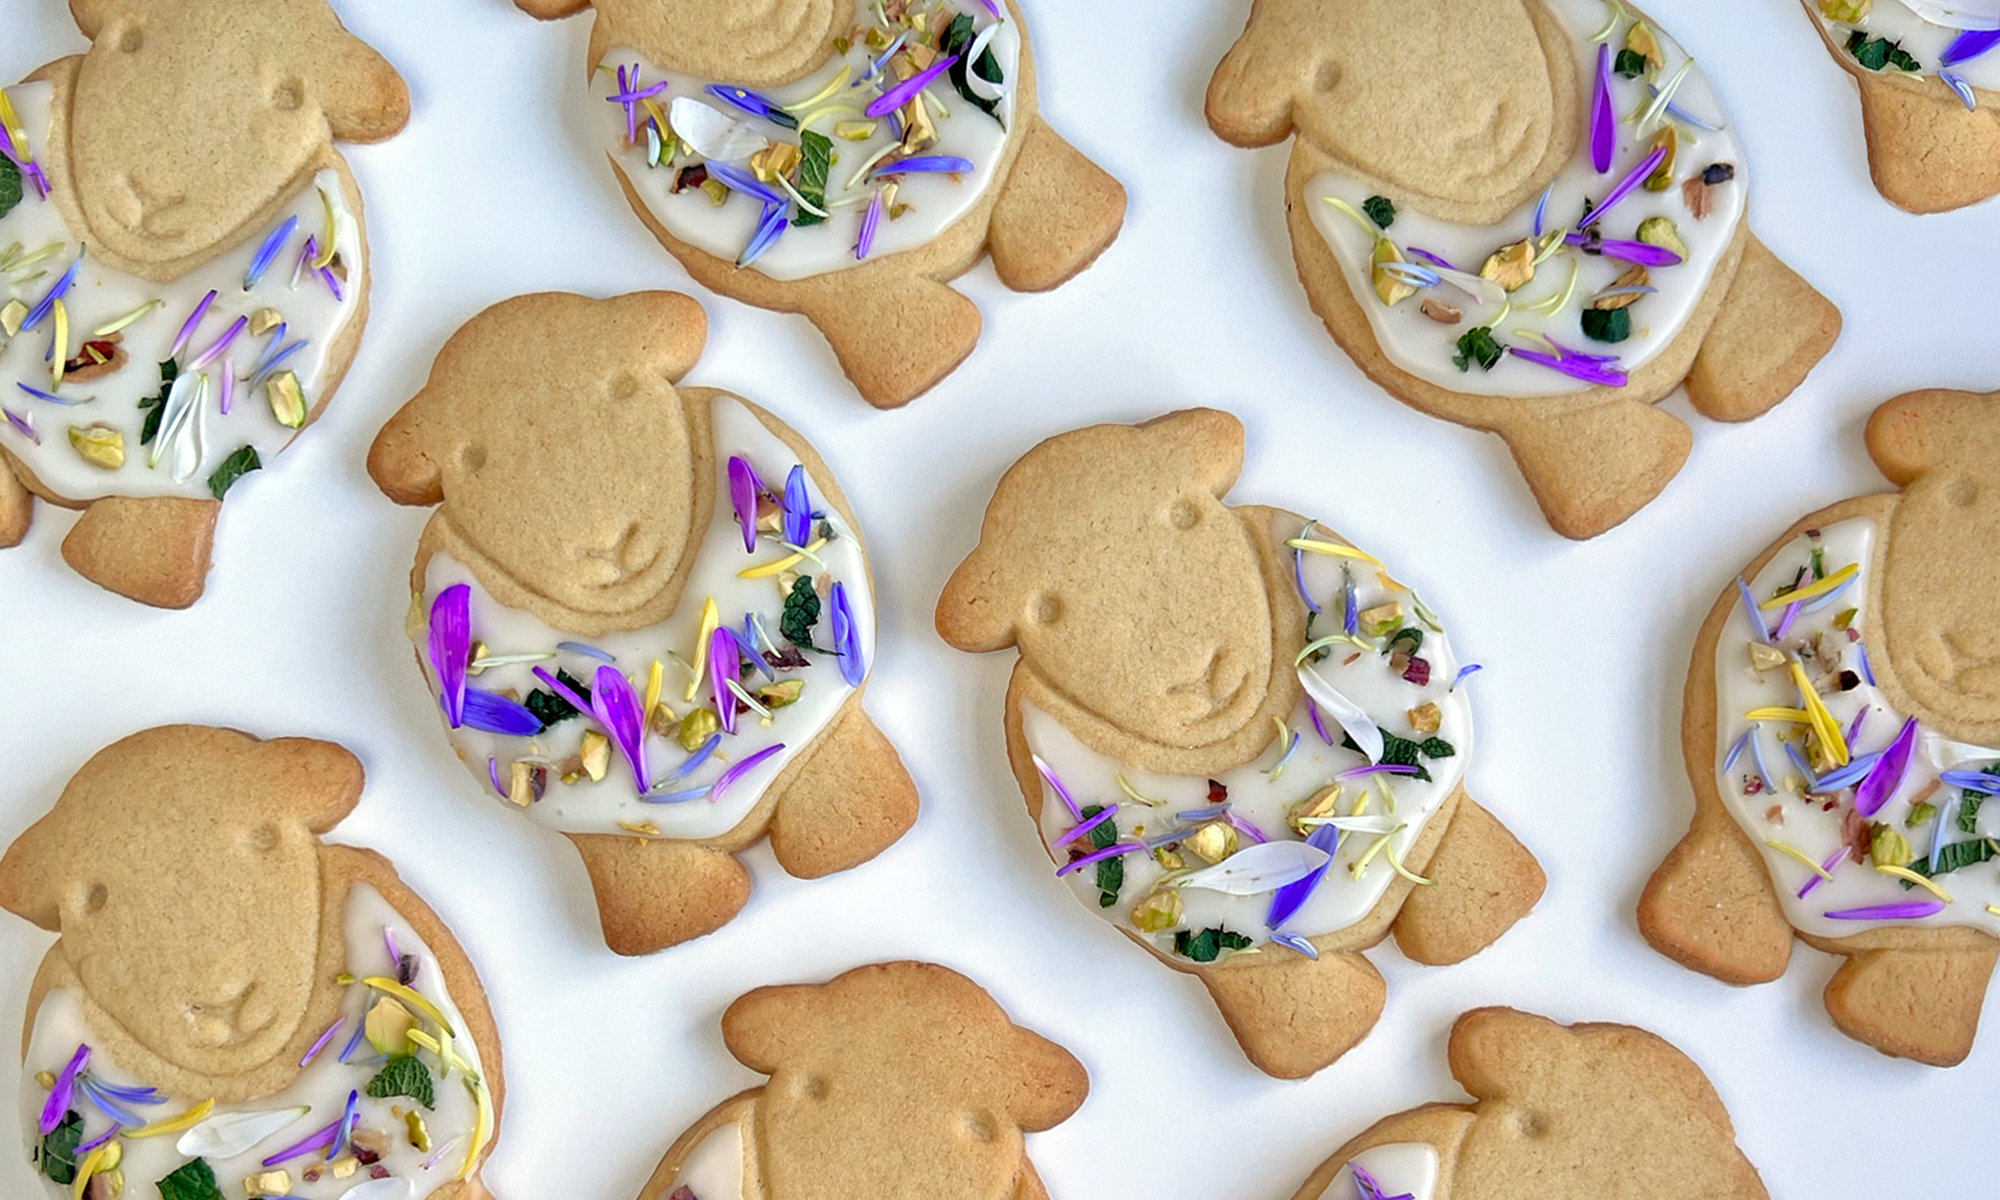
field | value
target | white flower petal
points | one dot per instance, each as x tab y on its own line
227	1135
713	133
1257	869
1365	732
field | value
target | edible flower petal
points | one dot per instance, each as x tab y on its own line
740	769
1887	774
1084	827
1626	185
1365	732
1757	625
741	98
846	637
869	220
897	96
722	667
1909	910
274	241
1574	366
451	647
1603	123
743	490
1291	897
1048	773
57	1105
770	226
740	180
56	291
490	712
616	707
929	164
798	508
1256	870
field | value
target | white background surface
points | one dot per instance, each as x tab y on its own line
492	191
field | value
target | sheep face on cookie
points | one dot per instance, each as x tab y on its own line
1941	629
1088	581
844	1073
758	43
1346	77
137	851
547	433
167	173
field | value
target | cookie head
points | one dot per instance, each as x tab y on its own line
897	1079
1447	99
552	434
1108	558
181	868
189	122
1940	613
750	43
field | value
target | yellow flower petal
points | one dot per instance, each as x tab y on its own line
710	619
414	1000
1331	549
1794	852
1921	881
187	1120
783	564
1818	587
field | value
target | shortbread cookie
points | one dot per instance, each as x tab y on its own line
1840	708
1253	764
1560	1112
1929	79
845	159
899	1079
183	270
1543	250
236	1008
645	611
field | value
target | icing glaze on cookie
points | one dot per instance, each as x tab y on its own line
1393	1170
1948	41
113	408
1269	801
680	804
830	102
1549	305
714	1171
453	1129
1770	782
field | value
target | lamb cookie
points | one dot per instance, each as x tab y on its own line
1253	764
1841	706
1543	250
845	159
236	1008
1923	67
183	272
645	611
1559	1112
898	1079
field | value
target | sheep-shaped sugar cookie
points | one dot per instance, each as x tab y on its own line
1526	217
845	160
1560	1112
235	1006
1841	706
899	1079
1235	732
184	277
645	611
1930	79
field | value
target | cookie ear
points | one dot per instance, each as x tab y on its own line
977	611
551	10
759	1027
1920	430
1207	444
1049	1084
91	15
31	882
362	96
672	327
1250	95
322	780
1496	1051
407	458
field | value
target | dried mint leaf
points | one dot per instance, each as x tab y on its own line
1110	871
192	1180
1381	210
1956	856
1607	324
815	159
1408	633
233	468
1402	752
801	614
549	707
1879	53
156	406
405	1076
59	1148
1630	63
10	185
1209	944
1477	346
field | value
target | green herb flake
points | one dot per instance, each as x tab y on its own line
233	468
549	707
1630	63
1954	857
958	37
1110	871
1477	346
1880	53
801	614
156	406
1402	752
1607	324
59	1148
10	185
193	1180
1436	747
1208	945
1381	210
404	1076
1408	633
815	158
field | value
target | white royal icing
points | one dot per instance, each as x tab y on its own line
612	805
1340	899
935	201
714	1171
1424	348
324	1084
101	295
1924	39
1808	825
1398	1169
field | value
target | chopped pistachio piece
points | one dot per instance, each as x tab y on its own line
270	1183
288	399
1425	717
264	320
854	131
1764	658
1512	267
388	1026
1158	910
1388	288
781	693
1888	848
1660	231
344	1166
419	1136
99	445
1847	12
1211	843
1844	618
774	160
1381	620
718	192
1634	276
525	782
596	754
696	727
1437	310
1640	40
12	315
1662	177
472	663
1165	856
1322	803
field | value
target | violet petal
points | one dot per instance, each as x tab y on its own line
451	646
57	1105
490	712
722	667
846	637
897	96
1603	123
616	707
798	508
1907	910
743	499
1887	774
739	769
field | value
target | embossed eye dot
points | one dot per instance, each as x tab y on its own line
1326	76
261	840
288	94
978	1126
809	1087
624	386
131	38
1046	609
1184	515
95	899
472	456
1962	492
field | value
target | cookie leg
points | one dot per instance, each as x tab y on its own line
1029	1185
1483	880
1772	330
153	550
656	892
1056	214
1590	468
17	508
1926	151
847	801
897	339
1911	1003
1709	907
1294	1015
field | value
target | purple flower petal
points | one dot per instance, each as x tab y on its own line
1826	599
930	164
1757	625
1798	758
1294	942
564	690
1299	578
490	712
770	226
319	1043
846	637
1861	660
1432	259
216	347
695	760
588	651
1350	616
740	180
1056	785
896	96
51	397
1603	123
1644	253
1908	910
1377	769
1097	856
1969	45
1576	368
739	769
798	508
1085	826
750	653
1625	186
346	1130
57	1105
1854	730
320	1139
616	707
1287	900
1831	865
743	499
1887	774
22	422
1467	669
111	1132
1319	726
750	102
1785	620
1848	775
1246	828
869	220
56	292
451	647
105	1102
1976	781
347	1051
722	667
274	241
